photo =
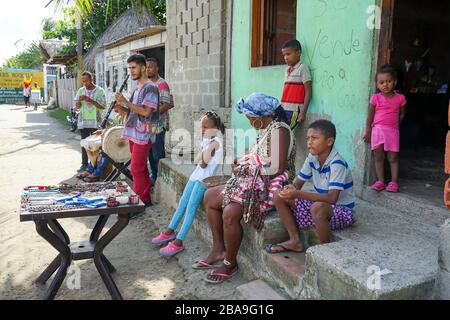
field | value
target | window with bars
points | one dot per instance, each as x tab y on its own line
274	22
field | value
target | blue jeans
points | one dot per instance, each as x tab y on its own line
190	201
157	153
101	166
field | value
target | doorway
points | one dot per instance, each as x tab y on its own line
414	39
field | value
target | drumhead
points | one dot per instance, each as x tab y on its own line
116	148
92	143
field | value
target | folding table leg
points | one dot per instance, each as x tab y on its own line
96	232
58	230
100	260
108	264
49	271
65	256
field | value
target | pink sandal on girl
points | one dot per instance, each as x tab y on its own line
393	187
163	238
378	186
171	249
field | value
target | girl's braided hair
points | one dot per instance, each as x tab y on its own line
214	117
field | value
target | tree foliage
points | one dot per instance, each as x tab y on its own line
97	16
29	58
101	15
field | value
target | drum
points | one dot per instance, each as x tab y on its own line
92	145
116	148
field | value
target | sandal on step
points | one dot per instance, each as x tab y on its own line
378	186
393	187
171	249
269	249
218	278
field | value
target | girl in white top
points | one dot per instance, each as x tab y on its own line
208	160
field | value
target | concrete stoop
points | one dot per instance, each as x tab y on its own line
384	238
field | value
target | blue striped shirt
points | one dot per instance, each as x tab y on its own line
334	175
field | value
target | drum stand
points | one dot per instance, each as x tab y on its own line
119	168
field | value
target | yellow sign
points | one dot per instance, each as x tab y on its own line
12	79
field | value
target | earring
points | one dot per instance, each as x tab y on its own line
258	127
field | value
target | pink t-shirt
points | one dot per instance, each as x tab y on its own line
387	110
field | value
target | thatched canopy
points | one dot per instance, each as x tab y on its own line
132	22
50	48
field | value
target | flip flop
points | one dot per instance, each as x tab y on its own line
222	276
203	265
269	249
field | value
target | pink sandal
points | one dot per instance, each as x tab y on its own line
163	238
393	187
170	250
378	186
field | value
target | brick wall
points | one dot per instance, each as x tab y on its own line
196	53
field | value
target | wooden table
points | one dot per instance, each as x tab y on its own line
48	228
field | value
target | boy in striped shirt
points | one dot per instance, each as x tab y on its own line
331	208
297	91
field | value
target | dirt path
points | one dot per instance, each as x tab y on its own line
36	149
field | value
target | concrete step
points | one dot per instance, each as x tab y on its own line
381	239
258	290
286	271
393	231
427	203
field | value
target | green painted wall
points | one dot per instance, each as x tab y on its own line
338	46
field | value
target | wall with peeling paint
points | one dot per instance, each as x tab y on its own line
339	47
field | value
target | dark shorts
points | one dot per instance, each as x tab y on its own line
292	118
26	99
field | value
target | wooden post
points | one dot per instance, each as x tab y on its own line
385	34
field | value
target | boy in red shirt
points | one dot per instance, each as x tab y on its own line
297	91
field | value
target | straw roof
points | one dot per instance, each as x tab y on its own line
132	22
49	48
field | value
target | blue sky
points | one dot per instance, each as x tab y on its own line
20	20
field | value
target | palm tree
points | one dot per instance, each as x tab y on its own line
84	7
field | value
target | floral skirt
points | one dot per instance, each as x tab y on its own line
238	192
254	194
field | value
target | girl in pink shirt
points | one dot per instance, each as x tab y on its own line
386	111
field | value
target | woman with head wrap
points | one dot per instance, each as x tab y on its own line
249	193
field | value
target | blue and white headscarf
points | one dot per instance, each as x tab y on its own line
258	105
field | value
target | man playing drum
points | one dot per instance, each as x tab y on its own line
138	129
98	165
91	100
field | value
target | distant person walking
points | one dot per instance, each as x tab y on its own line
26	86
